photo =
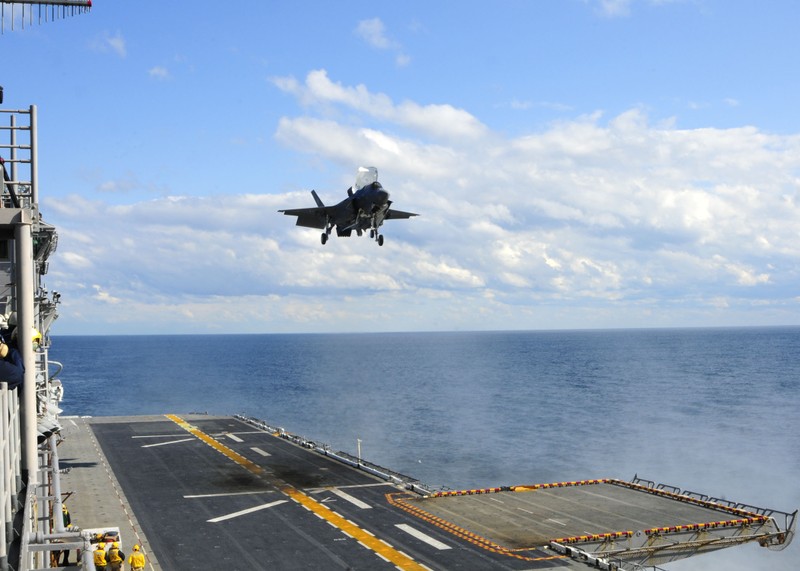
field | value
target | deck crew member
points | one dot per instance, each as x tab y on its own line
65	515
115	558
12	370
136	560
100	560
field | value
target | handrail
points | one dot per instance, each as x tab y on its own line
58	371
10	455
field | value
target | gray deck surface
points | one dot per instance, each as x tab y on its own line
533	518
96	499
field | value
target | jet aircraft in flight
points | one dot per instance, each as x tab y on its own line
365	208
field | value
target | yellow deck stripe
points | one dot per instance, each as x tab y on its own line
401	560
235	456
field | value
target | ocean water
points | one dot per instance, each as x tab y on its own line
716	411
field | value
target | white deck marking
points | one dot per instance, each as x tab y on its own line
328	488
355	501
234	437
226	494
365	485
423	536
165	443
247	511
259	451
558	522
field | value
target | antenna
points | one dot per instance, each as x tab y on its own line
46	11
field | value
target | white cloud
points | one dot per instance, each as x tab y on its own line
104	296
402	60
159	72
443	121
126	183
615	7
108	42
373	32
76	261
619	8
596	221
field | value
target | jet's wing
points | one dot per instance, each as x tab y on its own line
398	214
309	217
312	217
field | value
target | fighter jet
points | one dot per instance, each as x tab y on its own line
365	208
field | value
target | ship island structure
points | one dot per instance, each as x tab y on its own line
196	491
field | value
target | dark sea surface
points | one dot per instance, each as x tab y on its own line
715	411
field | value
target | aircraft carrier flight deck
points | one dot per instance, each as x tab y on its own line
201	491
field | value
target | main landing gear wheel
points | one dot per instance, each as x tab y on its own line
380	239
324	238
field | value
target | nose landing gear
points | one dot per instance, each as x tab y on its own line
373	233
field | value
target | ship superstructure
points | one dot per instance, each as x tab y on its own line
30	497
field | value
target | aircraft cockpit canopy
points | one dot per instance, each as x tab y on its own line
365	176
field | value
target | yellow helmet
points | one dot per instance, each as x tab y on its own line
116	545
136	548
36	336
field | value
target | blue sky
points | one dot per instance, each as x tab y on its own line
576	163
